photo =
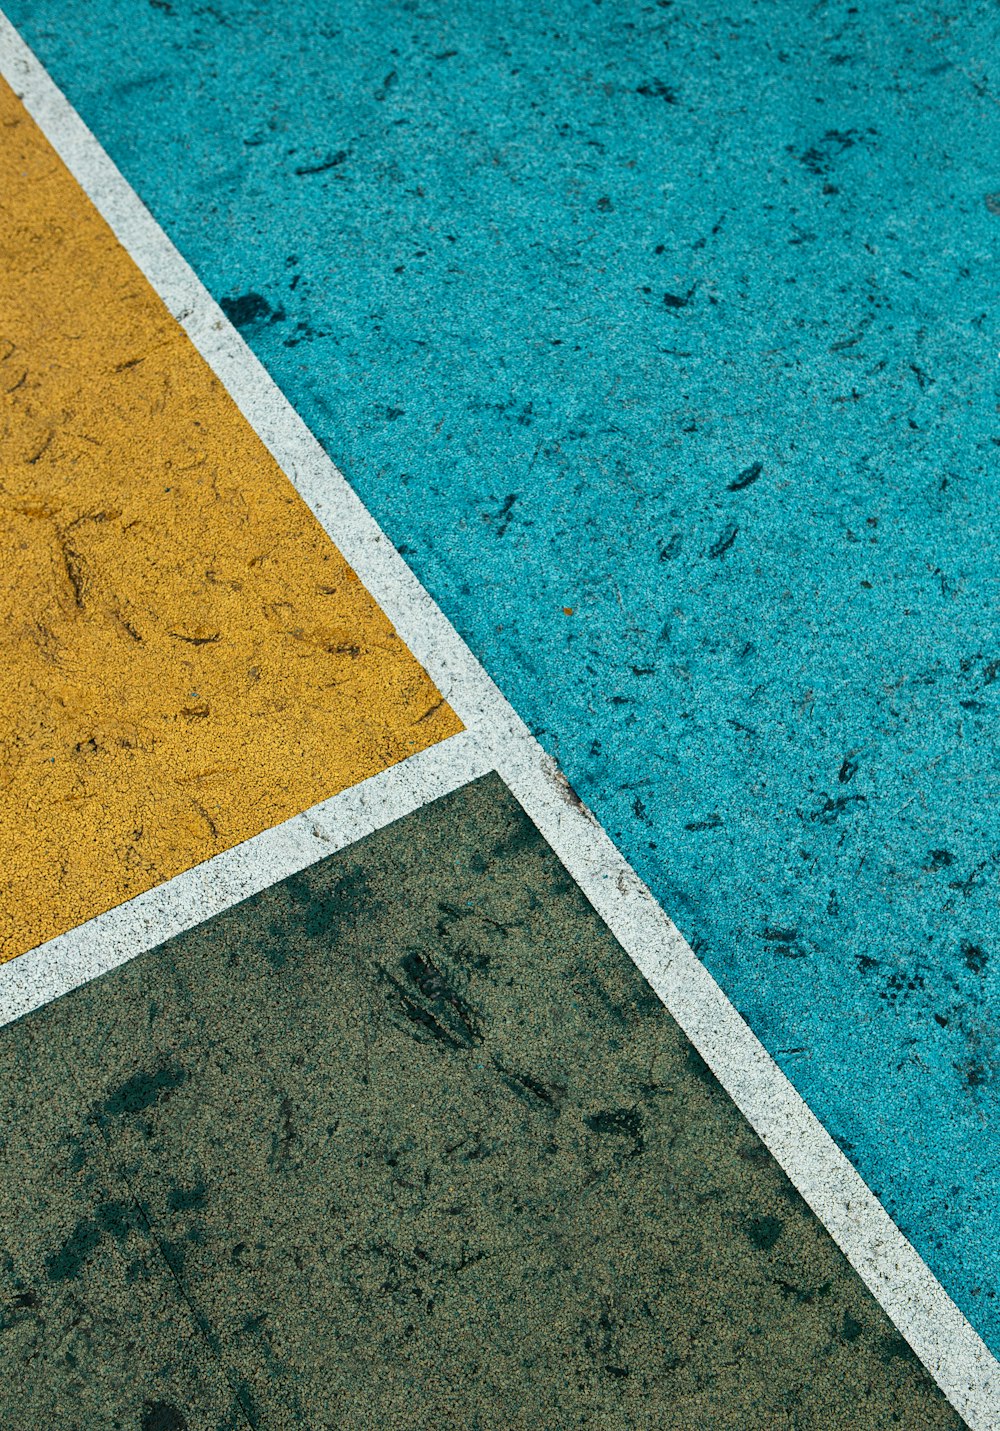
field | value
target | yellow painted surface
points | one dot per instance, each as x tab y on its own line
185	658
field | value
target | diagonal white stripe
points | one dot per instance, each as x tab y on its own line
916	1302
110	939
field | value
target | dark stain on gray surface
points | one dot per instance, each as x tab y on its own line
187	1199
69	1260
111	1218
763	1232
143	1089
161	1416
528	1088
619	1123
448	1163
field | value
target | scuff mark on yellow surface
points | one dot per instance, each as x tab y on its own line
185	658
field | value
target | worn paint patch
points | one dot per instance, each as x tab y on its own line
95	1332
420	1148
185	659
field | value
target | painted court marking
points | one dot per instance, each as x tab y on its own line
899	1279
113	938
187	660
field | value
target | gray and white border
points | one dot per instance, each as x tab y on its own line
110	939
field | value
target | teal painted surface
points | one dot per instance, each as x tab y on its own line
681	317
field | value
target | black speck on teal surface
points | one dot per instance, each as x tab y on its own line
406	1142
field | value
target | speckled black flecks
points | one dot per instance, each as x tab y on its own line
406	1142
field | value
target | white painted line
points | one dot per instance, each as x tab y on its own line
111	939
923	1312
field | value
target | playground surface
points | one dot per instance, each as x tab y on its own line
500	804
